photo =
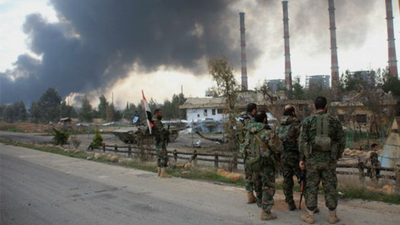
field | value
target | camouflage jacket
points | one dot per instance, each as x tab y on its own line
158	128
242	130
288	131
308	132
271	143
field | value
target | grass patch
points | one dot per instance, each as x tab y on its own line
45	148
10	129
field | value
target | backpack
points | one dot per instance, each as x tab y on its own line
322	141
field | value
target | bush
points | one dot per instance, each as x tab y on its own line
97	140
59	137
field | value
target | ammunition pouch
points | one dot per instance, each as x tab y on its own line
253	163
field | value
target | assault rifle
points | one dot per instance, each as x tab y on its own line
302	182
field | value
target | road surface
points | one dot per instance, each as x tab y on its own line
44	188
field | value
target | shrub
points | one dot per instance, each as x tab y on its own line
97	140
59	137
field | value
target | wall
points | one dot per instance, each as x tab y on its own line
199	114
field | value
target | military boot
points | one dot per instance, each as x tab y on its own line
308	217
292	206
164	174
267	215
333	217
158	171
251	198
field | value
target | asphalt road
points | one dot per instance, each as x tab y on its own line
43	188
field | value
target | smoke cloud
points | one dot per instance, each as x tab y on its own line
98	42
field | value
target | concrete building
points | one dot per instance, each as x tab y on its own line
318	80
273	85
366	75
199	109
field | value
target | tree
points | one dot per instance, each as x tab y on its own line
227	87
102	107
391	84
298	90
15	112
35	112
68	111
85	114
49	105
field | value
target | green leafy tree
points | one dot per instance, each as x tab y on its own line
102	107
391	84
3	107
49	105
68	111
34	111
85	114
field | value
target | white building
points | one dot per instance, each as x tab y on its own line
199	109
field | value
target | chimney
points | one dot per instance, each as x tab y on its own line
243	48
334	56
288	67
391	45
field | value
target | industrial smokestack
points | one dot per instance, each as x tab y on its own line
391	45
243	47
334	56
288	66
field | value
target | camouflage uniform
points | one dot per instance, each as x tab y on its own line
261	162
288	132
373	172
242	127
321	163
160	139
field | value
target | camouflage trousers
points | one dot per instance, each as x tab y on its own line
318	172
264	184
290	167
248	174
162	154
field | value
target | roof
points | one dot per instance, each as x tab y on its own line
203	103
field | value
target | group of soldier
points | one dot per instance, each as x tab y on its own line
313	145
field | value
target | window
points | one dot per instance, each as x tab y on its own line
205	112
198	115
219	111
361	118
213	112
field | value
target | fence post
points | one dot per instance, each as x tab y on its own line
234	162
216	159
361	171
129	151
115	148
398	176
194	158
175	153
104	147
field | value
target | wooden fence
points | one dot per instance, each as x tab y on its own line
234	160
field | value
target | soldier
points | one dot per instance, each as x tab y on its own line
247	118
288	132
374	162
321	144
261	145
160	139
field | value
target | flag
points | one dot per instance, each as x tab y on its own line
146	108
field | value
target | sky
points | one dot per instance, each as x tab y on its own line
118	48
